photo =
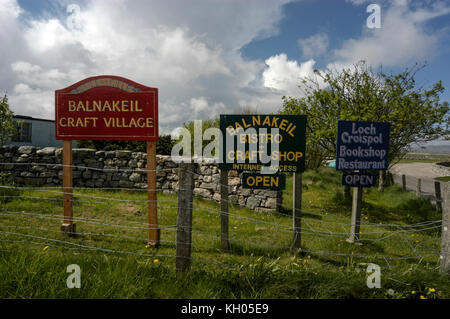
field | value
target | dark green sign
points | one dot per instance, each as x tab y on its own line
264	181
250	142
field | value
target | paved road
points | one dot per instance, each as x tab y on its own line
413	172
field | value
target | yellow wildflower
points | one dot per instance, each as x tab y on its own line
413	292
147	246
431	289
422	297
45	248
156	261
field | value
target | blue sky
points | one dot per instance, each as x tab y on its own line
209	57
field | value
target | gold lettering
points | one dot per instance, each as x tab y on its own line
61	122
72	106
125	106
137	109
108	121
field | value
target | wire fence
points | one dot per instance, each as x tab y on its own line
115	221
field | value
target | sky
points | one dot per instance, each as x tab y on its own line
211	57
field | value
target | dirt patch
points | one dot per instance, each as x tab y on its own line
130	209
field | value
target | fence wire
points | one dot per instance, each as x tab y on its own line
115	221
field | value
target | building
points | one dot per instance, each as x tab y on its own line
35	132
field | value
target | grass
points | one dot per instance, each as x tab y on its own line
34	254
443	178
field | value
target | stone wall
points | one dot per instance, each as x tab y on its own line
125	169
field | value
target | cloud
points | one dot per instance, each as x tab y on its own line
313	46
285	75
188	50
402	39
358	2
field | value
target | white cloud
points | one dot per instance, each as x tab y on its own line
189	50
358	2
314	46
285	75
402	38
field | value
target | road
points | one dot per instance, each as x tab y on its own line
413	172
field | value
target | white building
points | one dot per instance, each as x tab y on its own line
35	132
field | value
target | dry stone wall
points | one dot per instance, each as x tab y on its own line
33	166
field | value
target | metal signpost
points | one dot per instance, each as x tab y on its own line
360	147
108	108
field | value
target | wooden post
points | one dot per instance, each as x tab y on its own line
297	211
224	210
404	182
279	202
184	219
437	191
68	227
381	181
153	230
445	236
356	215
418	187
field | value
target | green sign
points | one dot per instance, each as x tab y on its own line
250	142
264	181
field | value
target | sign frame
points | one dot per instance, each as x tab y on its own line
291	146
109	86
92	97
364	164
280	176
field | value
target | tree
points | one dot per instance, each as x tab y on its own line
8	127
359	94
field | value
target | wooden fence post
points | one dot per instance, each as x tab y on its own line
297	212
68	227
404	182
356	215
419	187
153	230
184	218
437	191
381	180
279	202
224	210
445	236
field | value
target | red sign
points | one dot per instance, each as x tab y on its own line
106	108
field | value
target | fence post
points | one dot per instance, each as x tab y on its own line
445	236
154	232
437	191
184	218
418	187
279	201
224	210
381	180
68	227
356	215
404	182
297	211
